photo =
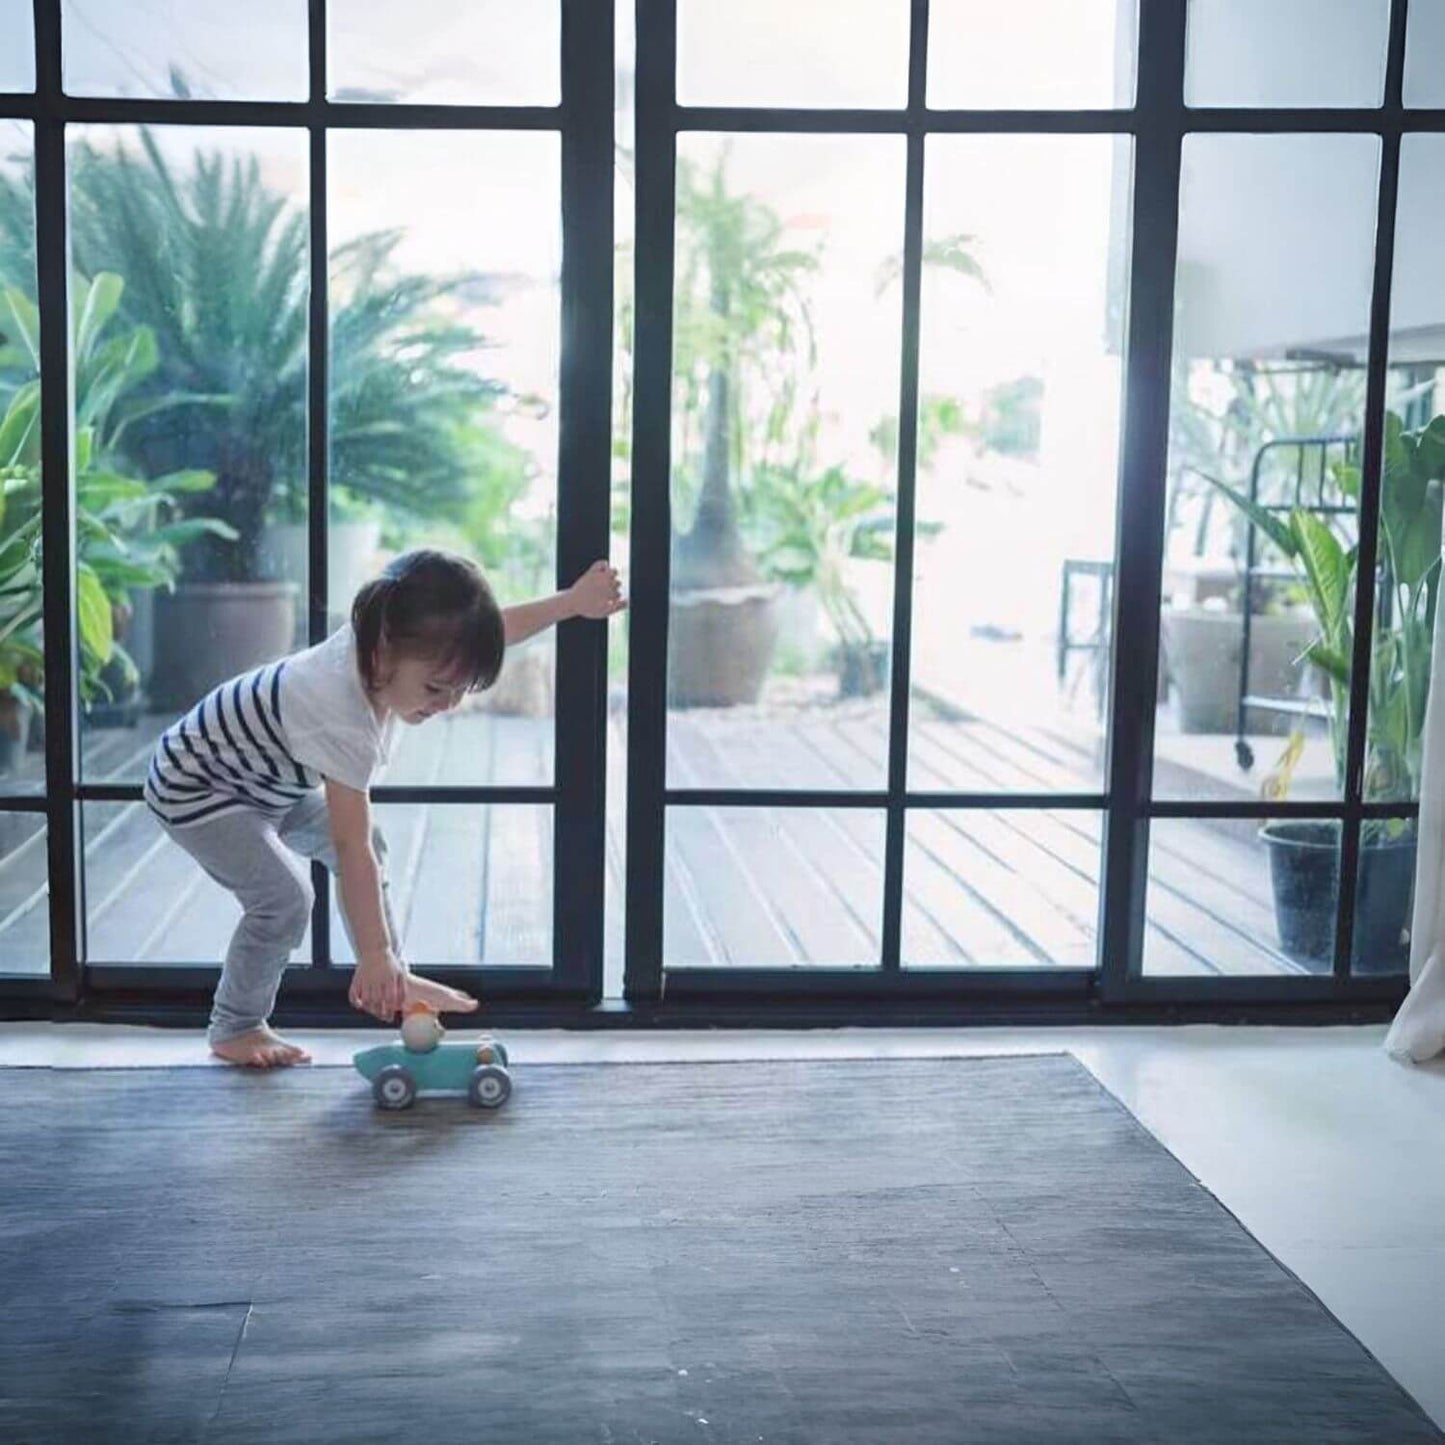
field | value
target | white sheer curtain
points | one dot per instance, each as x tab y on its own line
1418	1032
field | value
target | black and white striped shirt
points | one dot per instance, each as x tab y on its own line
265	739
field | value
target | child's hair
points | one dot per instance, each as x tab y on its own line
435	605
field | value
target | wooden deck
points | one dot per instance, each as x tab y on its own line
1003	887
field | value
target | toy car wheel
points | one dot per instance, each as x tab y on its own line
393	1088
489	1051
489	1087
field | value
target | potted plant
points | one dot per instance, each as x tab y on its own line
1225	415
127	530
1304	862
739	312
812	527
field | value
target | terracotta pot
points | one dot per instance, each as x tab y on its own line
720	644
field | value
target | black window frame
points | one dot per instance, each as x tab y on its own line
584	121
1157	123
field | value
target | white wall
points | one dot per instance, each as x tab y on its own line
1276	246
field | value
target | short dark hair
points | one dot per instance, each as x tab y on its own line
431	604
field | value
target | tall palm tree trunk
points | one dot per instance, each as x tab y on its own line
712	553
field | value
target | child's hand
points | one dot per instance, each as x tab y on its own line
437	997
597	592
378	986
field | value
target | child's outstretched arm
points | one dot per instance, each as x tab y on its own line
596	593
379	983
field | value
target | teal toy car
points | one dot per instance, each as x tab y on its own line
398	1074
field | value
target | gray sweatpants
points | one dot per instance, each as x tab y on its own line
264	862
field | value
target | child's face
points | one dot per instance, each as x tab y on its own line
416	688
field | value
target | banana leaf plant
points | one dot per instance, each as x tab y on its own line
810	526
1409	553
127	533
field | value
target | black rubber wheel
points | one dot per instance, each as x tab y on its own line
393	1088
490	1086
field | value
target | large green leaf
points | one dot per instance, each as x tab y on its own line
98	489
1430	448
187	481
20	430
1270	523
1327	570
21	320
97	633
1334	664
95	302
177	534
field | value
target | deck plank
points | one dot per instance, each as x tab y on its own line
934	895
805	754
736	915
24	897
822	924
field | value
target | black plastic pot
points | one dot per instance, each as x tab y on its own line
1304	869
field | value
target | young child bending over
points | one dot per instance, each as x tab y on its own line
272	769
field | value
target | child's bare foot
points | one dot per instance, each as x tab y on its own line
260	1049
437	996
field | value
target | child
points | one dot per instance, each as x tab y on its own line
272	769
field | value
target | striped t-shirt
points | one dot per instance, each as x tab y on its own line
265	739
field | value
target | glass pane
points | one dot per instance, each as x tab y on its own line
445	335
469	885
773	887
1409	537
17	58
1227	897
181	50
624	308
785	377
147	901
1031	54
1424	45
190	271
1276	240
22	673
1286	52
24	896
805	53
1007	889
1384	896
486	52
1020	380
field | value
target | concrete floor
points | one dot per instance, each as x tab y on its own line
1332	1155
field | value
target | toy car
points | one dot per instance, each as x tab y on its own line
398	1074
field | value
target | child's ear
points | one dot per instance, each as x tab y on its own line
382	666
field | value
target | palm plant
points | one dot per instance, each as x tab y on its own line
1327	563
217	266
810	526
741	319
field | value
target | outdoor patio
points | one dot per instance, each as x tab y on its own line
1005	887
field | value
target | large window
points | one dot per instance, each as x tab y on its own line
983	669
319	266
1021	426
